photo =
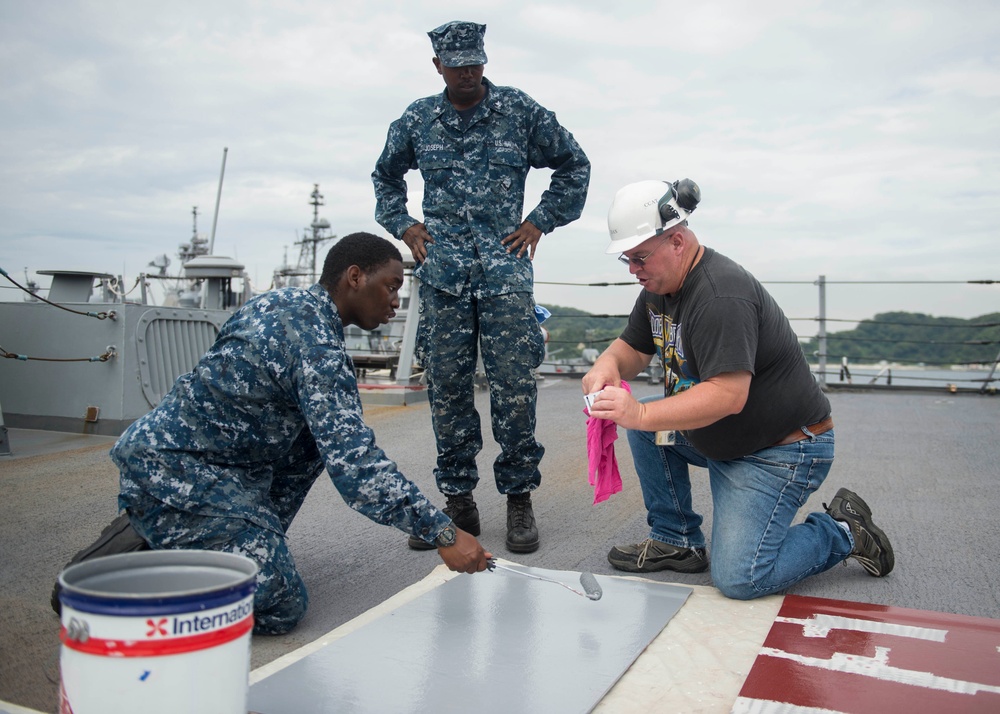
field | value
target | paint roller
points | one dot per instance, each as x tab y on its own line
591	590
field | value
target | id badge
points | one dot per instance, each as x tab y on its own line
666	438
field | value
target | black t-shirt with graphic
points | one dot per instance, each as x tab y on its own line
723	320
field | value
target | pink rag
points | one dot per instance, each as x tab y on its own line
603	466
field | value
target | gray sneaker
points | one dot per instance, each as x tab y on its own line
462	510
871	546
652	555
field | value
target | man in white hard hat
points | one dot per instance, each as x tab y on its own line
739	401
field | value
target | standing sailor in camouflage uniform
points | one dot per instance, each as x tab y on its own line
226	459
474	145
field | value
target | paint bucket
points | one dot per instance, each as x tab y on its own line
157	631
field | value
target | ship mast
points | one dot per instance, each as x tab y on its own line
314	234
197	246
319	231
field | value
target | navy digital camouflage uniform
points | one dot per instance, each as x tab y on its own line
226	459
472	290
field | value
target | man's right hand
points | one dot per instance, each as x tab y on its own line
416	238
466	556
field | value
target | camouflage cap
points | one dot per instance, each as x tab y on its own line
459	44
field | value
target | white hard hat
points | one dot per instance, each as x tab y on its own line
647	208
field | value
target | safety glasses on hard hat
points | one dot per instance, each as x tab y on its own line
636	260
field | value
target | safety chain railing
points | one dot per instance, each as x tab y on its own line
822	338
968	325
110	353
113	284
104	315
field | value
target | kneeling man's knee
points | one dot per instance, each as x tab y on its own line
736	588
276	616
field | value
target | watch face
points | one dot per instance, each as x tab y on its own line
447	536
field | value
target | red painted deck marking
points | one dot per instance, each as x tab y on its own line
839	656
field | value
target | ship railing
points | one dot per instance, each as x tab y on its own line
891	366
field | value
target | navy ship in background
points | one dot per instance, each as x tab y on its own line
90	357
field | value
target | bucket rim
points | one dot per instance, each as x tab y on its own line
244	567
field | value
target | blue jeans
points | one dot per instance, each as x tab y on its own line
756	550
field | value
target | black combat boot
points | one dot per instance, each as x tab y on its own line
462	510
522	533
118	537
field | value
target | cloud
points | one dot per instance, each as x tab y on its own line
829	138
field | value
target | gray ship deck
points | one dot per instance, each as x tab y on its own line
928	464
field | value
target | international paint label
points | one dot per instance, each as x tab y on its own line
155	635
195	662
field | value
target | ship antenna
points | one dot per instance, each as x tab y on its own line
218	198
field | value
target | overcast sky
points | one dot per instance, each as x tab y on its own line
855	140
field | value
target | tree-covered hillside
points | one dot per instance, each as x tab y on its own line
896	337
915	338
571	331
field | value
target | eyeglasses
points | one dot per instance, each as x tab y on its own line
636	260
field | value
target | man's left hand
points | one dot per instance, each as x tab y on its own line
619	406
525	237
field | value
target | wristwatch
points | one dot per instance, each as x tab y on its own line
446	537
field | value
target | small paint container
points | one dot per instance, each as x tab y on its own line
157	631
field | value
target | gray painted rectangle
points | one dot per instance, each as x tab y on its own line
491	642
